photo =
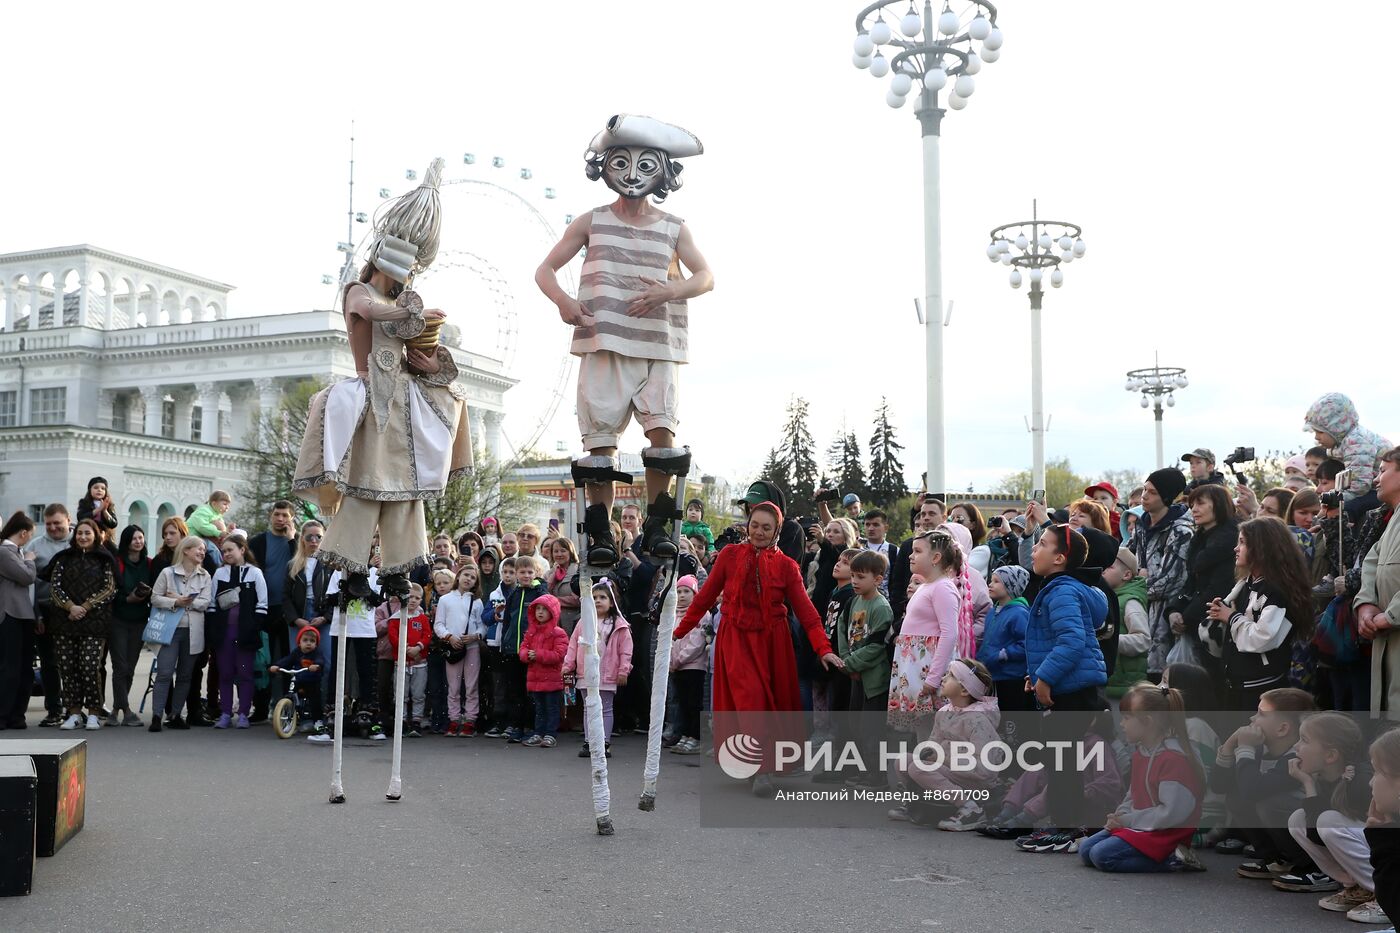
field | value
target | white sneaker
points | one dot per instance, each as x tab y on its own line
377	737
93	723
72	722
321	738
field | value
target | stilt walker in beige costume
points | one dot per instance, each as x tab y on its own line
377	445
630	335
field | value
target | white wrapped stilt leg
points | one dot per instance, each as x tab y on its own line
661	670
395	790
593	705
337	788
660	676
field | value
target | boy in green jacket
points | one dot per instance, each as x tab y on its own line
1134	634
861	641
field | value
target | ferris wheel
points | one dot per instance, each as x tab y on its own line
494	233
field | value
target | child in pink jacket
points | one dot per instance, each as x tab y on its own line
614	652
688	661
542	652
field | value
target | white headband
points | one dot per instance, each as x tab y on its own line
965	676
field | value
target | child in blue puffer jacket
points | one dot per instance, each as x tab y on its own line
1064	664
1003	647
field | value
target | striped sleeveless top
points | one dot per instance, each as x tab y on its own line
619	257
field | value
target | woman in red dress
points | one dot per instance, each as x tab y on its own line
755	669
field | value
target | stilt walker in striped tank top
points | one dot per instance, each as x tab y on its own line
630	335
630	320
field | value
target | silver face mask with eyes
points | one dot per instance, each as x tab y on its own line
634	171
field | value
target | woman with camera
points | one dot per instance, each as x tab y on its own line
129	614
1210	566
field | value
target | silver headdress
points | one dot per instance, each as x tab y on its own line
408	229
627	129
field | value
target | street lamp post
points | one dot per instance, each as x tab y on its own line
1051	243
1156	383
932	52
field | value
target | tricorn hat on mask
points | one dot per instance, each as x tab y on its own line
626	129
408	229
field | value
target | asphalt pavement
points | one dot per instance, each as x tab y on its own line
215	830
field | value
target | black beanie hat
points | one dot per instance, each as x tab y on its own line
1103	549
1169	482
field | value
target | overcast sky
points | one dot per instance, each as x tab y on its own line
1227	164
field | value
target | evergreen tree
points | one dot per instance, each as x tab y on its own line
886	471
851	474
775	470
799	453
834	453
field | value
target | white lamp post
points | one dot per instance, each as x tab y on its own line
1156	384
929	53
1051	243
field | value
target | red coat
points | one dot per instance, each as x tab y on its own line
550	643
420	633
755	694
755	667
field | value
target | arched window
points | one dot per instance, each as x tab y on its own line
140	516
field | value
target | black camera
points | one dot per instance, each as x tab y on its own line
1331	500
1239	455
997	522
828	495
734	534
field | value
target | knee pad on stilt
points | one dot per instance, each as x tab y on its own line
598	469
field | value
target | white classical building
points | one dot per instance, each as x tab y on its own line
117	367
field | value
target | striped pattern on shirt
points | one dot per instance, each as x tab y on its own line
620	258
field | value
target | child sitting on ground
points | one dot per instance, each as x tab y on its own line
1383	833
304	665
970	717
1331	766
542	652
420	637
1200	697
1026	805
1251	770
1163	806
614	655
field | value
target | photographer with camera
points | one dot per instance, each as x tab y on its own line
1340	653
1203	471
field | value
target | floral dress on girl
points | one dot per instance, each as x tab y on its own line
937	621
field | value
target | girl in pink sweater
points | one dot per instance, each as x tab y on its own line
614	652
937	624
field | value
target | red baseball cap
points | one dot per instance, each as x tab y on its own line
1106	487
